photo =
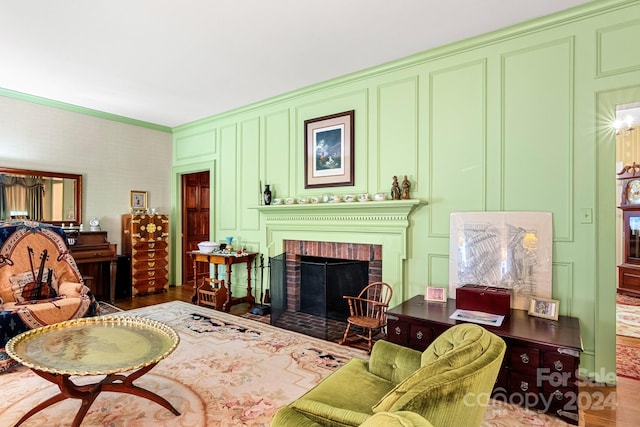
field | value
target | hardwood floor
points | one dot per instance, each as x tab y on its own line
602	406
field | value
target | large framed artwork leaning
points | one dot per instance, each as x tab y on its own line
510	250
328	150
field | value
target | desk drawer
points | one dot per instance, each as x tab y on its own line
556	362
524	359
420	337
397	331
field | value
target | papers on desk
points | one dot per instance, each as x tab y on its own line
477	317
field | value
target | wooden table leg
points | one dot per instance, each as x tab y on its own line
194	297
249	298
88	393
227	305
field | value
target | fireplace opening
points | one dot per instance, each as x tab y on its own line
324	282
290	303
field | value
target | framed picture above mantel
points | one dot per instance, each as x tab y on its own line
329	150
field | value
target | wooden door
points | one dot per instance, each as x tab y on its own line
195	222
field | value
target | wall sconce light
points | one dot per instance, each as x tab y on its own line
627	125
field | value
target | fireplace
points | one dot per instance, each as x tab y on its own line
303	301
375	232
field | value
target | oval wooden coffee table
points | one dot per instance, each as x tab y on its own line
108	345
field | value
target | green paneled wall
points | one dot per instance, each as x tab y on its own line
518	119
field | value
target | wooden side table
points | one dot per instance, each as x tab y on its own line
219	258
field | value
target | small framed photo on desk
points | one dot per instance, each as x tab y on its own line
435	293
544	307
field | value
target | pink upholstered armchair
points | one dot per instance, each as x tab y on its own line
29	248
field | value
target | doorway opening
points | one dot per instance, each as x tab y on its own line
195	223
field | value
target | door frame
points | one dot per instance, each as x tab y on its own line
176	225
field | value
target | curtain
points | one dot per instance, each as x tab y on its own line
21	194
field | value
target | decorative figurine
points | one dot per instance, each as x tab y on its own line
395	189
405	188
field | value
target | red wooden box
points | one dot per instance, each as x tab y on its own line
484	298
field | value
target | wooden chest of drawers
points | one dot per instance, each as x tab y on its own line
146	239
540	366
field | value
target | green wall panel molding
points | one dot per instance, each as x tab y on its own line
248	174
279	154
397	119
194	147
538	131
611	40
457	143
227	184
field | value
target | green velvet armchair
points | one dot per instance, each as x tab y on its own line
445	385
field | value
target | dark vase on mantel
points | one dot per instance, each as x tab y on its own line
267	195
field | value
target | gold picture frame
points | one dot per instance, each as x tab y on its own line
435	293
139	199
544	307
328	151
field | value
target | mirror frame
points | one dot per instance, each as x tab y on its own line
78	192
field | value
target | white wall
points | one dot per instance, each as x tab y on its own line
113	158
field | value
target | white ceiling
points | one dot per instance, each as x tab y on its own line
170	63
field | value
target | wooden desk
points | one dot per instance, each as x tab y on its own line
227	260
539	351
91	251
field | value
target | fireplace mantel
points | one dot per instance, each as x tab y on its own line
372	212
383	223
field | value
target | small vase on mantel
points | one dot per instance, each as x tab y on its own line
266	196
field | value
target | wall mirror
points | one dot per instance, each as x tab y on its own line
51	197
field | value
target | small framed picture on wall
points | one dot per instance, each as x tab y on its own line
138	200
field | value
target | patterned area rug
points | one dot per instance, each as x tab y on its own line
227	371
628	320
627	316
627	361
627	300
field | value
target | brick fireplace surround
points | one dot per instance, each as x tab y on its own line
295	249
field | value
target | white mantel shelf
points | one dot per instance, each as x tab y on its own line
388	210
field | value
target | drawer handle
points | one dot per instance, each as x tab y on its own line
419	335
524	386
558	365
398	330
558	395
524	357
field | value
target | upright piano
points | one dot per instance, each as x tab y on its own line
96	258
